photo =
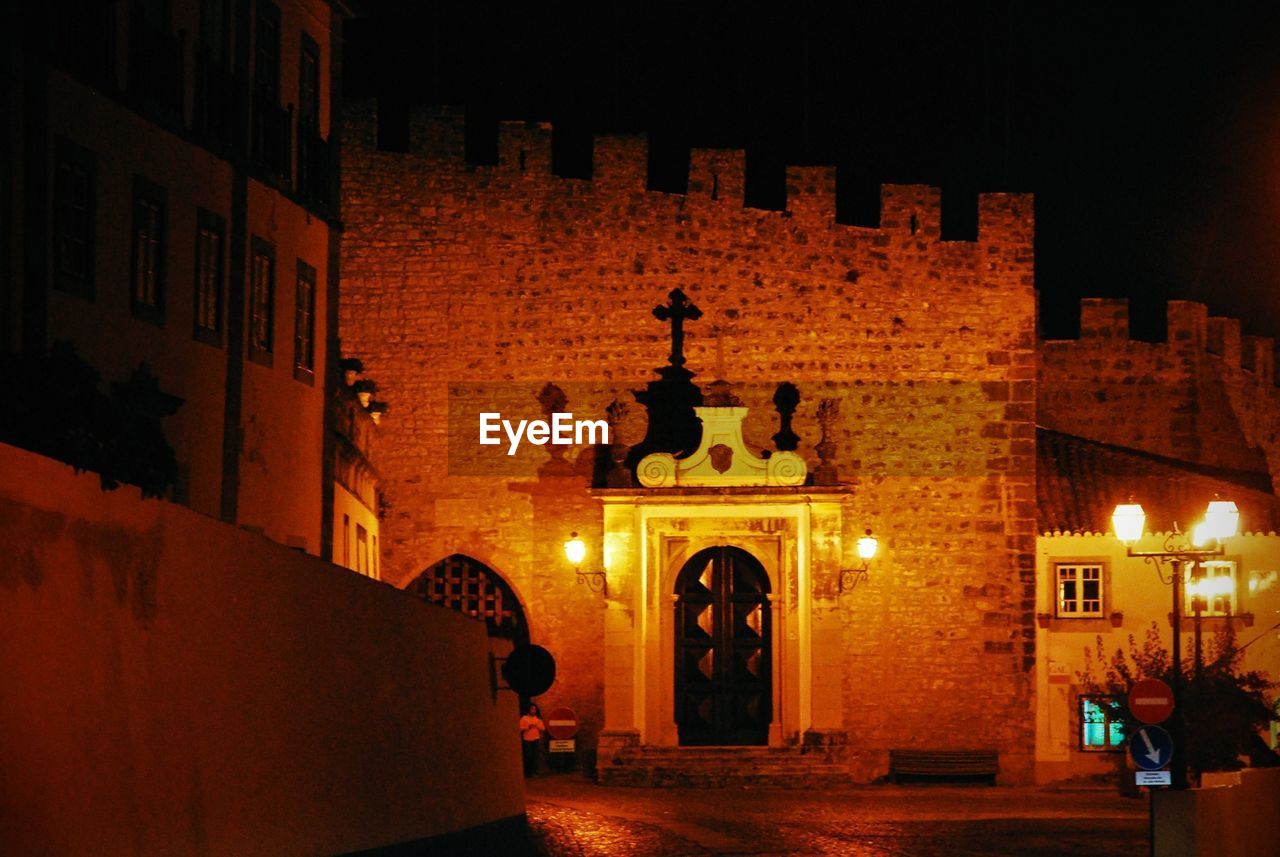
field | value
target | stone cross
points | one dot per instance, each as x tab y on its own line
679	309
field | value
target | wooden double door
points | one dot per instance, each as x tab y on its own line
724	634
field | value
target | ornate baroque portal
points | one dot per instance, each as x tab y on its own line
765	540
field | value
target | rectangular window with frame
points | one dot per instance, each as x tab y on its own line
346	540
1101	729
214	29
1213	588
266	53
304	323
211	232
1079	587
362	549
262	291
74	190
309	85
148	268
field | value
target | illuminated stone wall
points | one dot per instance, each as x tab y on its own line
175	685
499	279
1206	395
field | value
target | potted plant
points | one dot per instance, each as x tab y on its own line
364	390
350	367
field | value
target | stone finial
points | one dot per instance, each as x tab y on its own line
553	400
786	398
825	473
617	475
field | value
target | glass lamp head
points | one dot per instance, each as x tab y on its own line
1221	520
1129	521
867	546
575	550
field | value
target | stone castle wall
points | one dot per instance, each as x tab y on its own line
498	279
1206	395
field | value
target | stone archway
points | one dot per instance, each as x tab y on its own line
469	586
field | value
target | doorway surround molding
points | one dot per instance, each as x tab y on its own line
649	534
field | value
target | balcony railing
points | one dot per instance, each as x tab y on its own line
156	64
272	135
315	168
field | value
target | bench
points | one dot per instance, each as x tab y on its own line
944	764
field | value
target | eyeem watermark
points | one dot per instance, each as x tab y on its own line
563	430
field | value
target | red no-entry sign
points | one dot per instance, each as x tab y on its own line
1151	701
562	723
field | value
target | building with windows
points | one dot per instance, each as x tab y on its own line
356	500
169	198
1171	425
1091	594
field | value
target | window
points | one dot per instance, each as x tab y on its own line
472	588
210	238
262	290
375	556
1213	588
362	549
1079	590
213	30
266	52
73	204
304	322
147	276
346	540
1101	729
309	85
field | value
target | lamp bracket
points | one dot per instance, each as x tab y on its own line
594	580
851	577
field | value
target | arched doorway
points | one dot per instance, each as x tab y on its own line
723	663
471	587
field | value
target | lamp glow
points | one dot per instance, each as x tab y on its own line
575	550
1129	521
867	546
1221	520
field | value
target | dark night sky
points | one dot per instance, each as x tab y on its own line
1151	136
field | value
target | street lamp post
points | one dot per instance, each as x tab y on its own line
1222	520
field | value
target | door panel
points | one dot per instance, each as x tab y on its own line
723	649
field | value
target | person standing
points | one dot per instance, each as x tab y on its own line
531	731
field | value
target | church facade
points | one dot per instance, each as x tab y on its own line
875	379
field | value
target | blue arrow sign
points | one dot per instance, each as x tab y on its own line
1151	748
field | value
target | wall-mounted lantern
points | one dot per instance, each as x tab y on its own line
575	550
851	577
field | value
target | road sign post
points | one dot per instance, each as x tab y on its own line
1151	701
1151	748
562	726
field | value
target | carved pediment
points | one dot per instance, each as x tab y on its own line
721	459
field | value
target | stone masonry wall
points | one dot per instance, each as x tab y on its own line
499	279
1206	395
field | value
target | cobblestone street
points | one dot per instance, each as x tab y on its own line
569	816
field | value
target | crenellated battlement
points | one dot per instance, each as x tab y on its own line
620	161
1207	394
1190	328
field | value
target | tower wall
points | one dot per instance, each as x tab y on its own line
498	279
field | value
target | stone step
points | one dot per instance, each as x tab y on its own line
724	767
736	764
